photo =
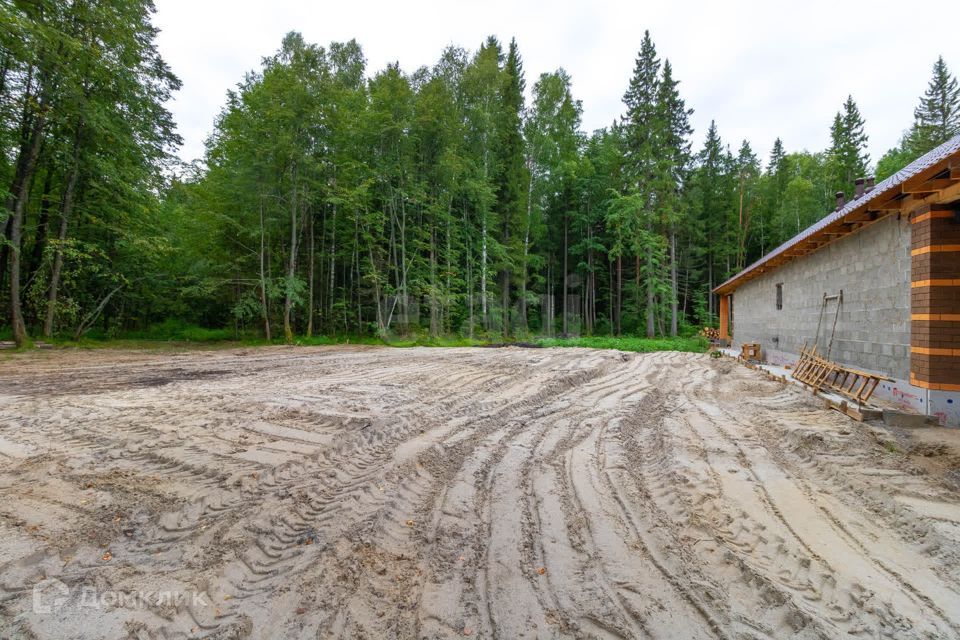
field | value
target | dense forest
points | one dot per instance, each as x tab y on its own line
338	200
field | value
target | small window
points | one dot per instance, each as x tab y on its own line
779	296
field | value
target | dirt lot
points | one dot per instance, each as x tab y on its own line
438	493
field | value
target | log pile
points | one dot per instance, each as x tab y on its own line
710	333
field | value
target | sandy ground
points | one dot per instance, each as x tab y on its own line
437	493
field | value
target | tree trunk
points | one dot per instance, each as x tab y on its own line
91	317
4	70
673	282
589	308
333	264
310	275
264	306
5	248
292	263
505	301
522	320
43	222
434	311
17	205
710	287
381	324
547	311
686	280
483	273
447	325
469	283
565	283
505	284
651	300
619	300
66	208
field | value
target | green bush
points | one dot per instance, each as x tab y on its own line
170	330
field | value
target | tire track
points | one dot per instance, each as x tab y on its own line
443	493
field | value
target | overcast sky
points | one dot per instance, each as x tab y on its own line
761	69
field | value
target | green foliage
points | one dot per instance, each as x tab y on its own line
847	158
892	161
936	120
173	329
691	344
338	203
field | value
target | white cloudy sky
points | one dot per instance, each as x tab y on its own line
761	69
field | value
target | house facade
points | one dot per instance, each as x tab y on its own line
875	285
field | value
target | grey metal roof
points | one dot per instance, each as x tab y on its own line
926	161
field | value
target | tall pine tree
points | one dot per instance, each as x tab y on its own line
674	154
642	129
511	179
847	158
937	118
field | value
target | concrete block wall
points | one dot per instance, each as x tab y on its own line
872	267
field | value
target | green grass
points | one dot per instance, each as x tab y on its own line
409	341
693	344
174	334
177	330
199	338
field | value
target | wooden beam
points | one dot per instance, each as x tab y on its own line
892	204
950	193
724	317
921	184
924	176
931	186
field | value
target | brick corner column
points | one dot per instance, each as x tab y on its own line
935	297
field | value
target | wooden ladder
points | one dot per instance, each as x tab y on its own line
824	375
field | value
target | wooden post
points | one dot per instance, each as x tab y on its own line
724	317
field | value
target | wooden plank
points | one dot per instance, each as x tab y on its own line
930	186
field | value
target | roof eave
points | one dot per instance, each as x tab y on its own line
888	197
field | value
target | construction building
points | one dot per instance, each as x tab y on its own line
874	285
